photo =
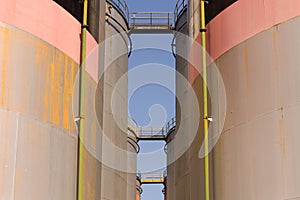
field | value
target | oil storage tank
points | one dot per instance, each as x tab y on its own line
40	56
133	184
254	44
256	156
39	62
184	176
181	28
115	118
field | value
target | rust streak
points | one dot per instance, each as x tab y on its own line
247	74
4	65
67	91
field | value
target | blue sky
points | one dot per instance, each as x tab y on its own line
151	104
151	5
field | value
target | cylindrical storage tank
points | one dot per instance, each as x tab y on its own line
169	149
114	174
132	148
139	189
164	190
256	156
184	181
39	62
257	56
176	175
189	168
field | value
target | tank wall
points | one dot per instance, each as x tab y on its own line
260	136
39	138
39	66
46	20
178	177
138	190
193	18
114	182
132	148
234	25
255	156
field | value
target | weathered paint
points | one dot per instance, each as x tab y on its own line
46	20
245	19
36	79
112	179
256	156
39	137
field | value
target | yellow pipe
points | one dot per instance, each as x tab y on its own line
205	106
82	102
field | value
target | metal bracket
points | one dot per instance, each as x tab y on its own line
76	119
208	118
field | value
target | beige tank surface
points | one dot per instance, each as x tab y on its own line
39	62
256	155
255	45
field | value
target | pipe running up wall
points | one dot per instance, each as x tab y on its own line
256	155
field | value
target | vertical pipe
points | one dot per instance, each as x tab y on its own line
82	102
205	109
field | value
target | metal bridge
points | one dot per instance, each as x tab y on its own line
152	178
151	22
155	22
151	132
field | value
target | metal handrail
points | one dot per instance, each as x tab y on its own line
151	130
171	125
132	126
179	8
151	19
139	176
122	7
153	176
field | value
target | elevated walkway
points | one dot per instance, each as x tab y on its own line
153	178
151	132
151	22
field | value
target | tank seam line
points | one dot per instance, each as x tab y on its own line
261	116
65	131
15	157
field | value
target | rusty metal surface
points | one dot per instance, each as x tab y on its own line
39	147
234	25
256	157
46	20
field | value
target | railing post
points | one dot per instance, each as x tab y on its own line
133	20
151	19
